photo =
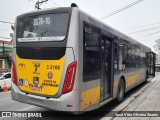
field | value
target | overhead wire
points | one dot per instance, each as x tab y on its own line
153	38
144	30
126	7
149	35
6	22
121	9
141	26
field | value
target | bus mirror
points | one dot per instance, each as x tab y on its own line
12	27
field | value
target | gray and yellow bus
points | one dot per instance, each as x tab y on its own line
66	60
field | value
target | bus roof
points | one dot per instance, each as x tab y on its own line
114	31
42	11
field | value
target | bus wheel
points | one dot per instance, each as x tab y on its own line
121	90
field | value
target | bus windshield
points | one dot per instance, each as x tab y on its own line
48	27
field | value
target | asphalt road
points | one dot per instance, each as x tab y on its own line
7	104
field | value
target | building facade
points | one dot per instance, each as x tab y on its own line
5	55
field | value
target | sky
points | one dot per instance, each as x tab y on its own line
141	21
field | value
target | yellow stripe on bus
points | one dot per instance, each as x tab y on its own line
90	97
132	80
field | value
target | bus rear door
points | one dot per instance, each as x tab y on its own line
151	64
106	76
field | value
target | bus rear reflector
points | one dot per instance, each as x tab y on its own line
14	76
69	105
69	78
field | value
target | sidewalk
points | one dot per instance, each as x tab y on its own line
149	101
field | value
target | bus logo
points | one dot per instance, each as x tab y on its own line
21	65
36	66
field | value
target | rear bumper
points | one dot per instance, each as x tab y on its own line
63	103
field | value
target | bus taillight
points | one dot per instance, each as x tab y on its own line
14	76
70	77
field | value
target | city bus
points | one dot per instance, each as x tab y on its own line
66	60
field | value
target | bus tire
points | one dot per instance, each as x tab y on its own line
121	91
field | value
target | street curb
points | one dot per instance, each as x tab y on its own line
132	98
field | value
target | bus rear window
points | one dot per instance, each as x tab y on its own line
48	27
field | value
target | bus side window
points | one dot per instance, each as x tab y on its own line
121	56
143	58
132	57
91	53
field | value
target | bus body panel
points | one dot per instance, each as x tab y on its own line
27	72
39	76
61	102
90	90
131	78
73	42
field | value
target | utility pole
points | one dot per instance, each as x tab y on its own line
38	3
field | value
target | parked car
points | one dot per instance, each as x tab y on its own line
5	78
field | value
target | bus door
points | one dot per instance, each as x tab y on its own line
106	53
151	63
